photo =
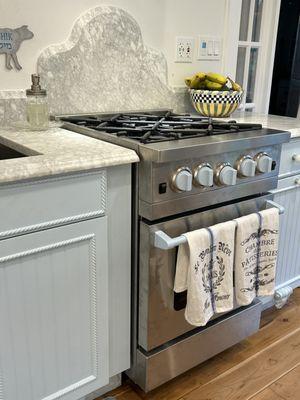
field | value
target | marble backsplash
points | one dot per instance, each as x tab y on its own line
103	66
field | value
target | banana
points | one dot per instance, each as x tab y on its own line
213	85
234	85
196	81
201	76
188	81
216	78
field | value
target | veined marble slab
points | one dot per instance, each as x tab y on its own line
105	66
57	151
271	121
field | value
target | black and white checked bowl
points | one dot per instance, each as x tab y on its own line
215	103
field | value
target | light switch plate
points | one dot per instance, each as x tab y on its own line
209	48
184	50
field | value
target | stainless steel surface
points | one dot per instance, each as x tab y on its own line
159	322
154	204
164	242
7	153
164	344
190	148
155	368
206	198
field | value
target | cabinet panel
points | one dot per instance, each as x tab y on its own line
54	313
287	164
33	206
288	264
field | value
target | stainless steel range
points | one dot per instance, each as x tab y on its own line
194	172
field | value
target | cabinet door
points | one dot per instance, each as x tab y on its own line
288	264
54	313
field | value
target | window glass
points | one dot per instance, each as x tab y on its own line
258	6
244	20
240	67
252	75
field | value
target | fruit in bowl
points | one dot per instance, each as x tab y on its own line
214	95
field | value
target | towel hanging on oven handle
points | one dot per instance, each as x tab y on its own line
165	242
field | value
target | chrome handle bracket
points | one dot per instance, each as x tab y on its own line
273	204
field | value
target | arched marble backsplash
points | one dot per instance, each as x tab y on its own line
105	66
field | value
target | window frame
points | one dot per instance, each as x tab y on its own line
266	52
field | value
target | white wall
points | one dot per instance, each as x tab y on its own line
191	18
160	21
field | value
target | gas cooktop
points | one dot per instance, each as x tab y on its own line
161	135
151	128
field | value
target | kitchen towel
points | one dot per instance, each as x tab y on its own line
245	264
268	250
193	270
256	250
223	242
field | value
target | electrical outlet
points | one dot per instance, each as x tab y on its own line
184	49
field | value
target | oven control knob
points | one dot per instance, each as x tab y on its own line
182	180
264	162
226	175
246	166
204	175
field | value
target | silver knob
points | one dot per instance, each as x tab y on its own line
246	166
204	175
226	175
182	180
264	162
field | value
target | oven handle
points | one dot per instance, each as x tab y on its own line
165	242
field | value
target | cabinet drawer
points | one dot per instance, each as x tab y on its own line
287	164
33	206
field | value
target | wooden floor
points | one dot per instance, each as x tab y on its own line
265	366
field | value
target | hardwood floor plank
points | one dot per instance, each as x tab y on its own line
128	394
268	394
288	386
253	375
276	324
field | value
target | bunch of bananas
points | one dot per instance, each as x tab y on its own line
211	81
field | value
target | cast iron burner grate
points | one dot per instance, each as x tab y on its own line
152	128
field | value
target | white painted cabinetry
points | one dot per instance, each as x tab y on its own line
54	312
288	195
63	333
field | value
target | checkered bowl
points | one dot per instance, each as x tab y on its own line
215	103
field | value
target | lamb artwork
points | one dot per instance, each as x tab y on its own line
10	42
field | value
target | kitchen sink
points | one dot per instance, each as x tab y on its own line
7	153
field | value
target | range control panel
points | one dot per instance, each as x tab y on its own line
223	174
218	173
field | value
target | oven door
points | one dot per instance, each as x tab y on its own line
161	310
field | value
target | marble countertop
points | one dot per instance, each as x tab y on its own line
57	151
271	121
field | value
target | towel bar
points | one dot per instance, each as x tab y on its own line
165	242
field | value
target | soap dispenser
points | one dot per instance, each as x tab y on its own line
37	106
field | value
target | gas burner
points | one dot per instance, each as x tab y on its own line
151	128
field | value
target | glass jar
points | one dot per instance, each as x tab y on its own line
37	106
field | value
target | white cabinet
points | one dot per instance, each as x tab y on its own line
65	274
54	312
288	264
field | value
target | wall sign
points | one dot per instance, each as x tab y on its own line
10	42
